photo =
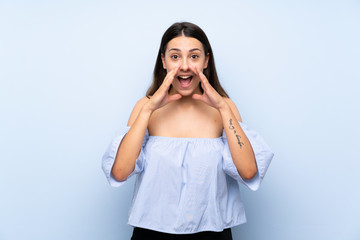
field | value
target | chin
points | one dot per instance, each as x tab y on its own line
185	92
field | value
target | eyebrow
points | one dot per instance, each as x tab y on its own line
178	50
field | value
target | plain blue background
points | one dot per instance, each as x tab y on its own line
71	72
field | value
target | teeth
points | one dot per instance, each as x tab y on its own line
184	77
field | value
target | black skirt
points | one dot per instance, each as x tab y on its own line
146	234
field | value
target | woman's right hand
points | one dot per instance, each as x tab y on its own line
161	97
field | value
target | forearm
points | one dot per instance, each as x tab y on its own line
130	146
239	145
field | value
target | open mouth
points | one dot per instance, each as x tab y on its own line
185	81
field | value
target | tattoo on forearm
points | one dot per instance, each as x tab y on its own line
236	135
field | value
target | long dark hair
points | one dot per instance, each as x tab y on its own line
188	30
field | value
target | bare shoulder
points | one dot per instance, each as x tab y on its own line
234	109
136	110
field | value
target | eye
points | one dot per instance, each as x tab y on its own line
174	57
194	56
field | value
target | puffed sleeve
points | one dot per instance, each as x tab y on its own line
263	157
110	154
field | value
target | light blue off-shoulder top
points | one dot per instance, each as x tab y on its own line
188	185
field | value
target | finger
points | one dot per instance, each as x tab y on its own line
194	69
205	82
204	79
202	98
197	96
201	75
198	72
169	78
174	97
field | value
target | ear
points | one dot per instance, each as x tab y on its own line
163	61
206	61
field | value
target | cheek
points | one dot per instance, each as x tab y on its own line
199	64
170	65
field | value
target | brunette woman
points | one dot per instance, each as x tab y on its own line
188	146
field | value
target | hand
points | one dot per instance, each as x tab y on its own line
210	96
161	96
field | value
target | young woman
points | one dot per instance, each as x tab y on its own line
187	145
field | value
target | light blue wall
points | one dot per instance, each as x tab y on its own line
72	71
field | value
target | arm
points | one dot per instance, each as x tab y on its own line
239	145
130	146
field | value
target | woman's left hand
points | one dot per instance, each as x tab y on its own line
210	96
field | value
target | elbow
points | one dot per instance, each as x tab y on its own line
119	175
248	174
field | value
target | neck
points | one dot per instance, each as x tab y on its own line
186	100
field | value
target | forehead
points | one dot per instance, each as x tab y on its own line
184	44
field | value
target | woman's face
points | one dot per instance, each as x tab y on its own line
185	52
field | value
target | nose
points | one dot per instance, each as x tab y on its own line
184	65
